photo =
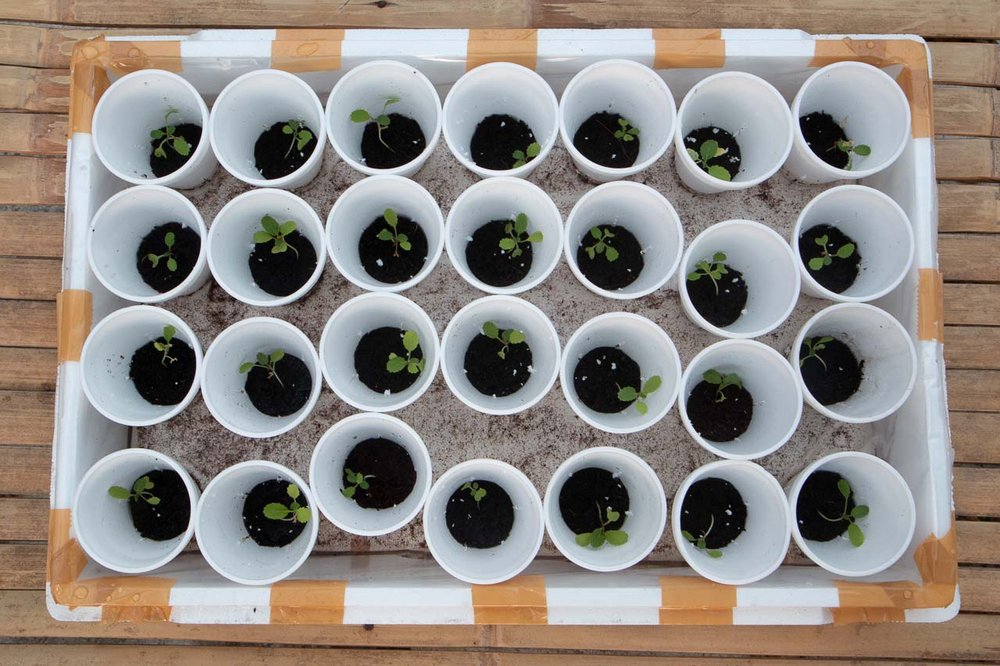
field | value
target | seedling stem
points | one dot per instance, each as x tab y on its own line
140	491
381	121
292	512
815	345
272	231
722	382
168	241
167	136
630	394
700	543
522	157
168	335
475	491
825	259
506	337
300	135
399	241
397	363
357	480
854	532
265	362
602	534
517	234
714	270
603	244
848	147
709	150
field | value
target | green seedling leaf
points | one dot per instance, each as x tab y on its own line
583	539
516	337
845	250
119	493
491	330
712	376
597	538
708	150
276	511
616	537
521	223
384	235
265	362
348	492
410	341
641	407
533	149
855	534
293	491
395	363
844	487
627	394
360	116
303	514
157	134
246	367
651	385
610	253
863	150
507	244
859	511
816	263
719	172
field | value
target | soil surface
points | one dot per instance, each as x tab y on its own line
485	524
720	302
598	376
184	251
731	160
385	260
840	273
168	519
492	264
283	273
495	376
495	140
820	495
713	509
822	133
372	354
276	154
834	375
719	421
607	274
391	469
595	139
285	392
401	142
164	166
266	531
160	380
585	497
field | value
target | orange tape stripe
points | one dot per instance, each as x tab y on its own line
308	602
676	49
74	315
695	593
867	615
521	600
299	51
930	305
517	46
697	616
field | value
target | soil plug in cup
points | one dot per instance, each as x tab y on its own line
857	364
501	119
141	366
616	118
483	521
852	120
734	131
133	510
852	513
384	117
147	244
623	240
256	522
852	244
730	522
149	128
268	129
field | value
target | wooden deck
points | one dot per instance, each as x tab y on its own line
36	37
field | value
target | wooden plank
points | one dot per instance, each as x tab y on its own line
968	159
27	369
966	63
33	133
39	234
28	323
40	46
24	519
975	491
22	566
30	89
967	257
980	589
974	436
972	208
30	279
32	180
972	304
974	391
26	470
972	347
26	417
977	542
966	111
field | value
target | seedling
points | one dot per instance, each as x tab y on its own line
848	147
707	151
300	135
699	542
265	362
399	241
597	538
381	121
626	132
517	234
507	337
825	259
603	244
522	157
167	137
475	491
357	480
168	241
713	270
272	231
815	345
629	394
722	382
396	363
292	512
854	532
168	335
140	491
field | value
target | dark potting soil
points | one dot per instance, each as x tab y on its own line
495	140
840	273
384	260
164	166
283	273
731	160
283	393
713	509
184	251
836	377
266	531
585	497
606	274
160	380
276	154
598	376
492	264
820	495
169	518
595	139
722	302
371	355
720	421
391	467
480	525
402	142
492	375
822	133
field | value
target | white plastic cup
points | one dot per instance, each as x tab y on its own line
644	520
749	108
327	465
881	232
230	243
364	202
223	382
769	269
345	328
503	199
485	566
107	356
251	104
647	215
759	550
645	343
888	527
103	524
870	107
877	339
507	312
368	86
223	539
118	228
134	106
500	88
627	88
774	385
